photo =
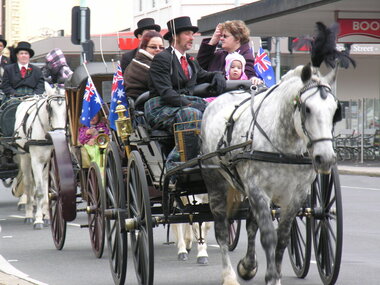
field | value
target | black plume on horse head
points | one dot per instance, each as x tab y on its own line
323	47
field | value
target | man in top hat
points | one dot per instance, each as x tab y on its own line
22	78
3	59
143	26
173	75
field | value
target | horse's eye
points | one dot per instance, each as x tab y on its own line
307	110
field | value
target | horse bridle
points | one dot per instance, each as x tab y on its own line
301	106
49	109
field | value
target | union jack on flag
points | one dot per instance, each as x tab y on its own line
91	104
117	94
263	68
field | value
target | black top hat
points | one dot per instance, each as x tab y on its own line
3	40
178	25
146	24
24	46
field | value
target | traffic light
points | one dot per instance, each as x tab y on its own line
266	43
88	50
76	24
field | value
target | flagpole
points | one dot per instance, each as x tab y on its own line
89	76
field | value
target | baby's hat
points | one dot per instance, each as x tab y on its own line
230	58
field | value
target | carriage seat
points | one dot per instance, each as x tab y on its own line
140	101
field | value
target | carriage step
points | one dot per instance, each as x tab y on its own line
84	226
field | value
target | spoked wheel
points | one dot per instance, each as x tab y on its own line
233	234
299	247
94	211
113	205
327	225
57	223
139	210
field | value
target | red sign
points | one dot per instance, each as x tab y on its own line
362	27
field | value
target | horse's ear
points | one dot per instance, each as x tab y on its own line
331	76
306	73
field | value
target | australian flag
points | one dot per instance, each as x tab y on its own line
263	68
117	94
92	103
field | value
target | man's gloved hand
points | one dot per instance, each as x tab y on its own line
199	106
218	83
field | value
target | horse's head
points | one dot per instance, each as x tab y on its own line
317	109
56	108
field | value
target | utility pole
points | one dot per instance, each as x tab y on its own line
83	8
278	60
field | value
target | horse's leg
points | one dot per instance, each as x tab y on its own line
268	236
201	232
178	230
287	216
247	267
27	179
39	159
217	192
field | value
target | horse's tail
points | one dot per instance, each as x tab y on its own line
18	185
234	198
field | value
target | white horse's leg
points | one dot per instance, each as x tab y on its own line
27	178
39	158
178	230
202	257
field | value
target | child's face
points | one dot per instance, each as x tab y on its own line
95	119
235	70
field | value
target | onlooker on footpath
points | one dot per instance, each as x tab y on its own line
143	26
234	36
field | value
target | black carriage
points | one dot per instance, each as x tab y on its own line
138	194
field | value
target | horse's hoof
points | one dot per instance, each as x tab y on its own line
203	260
21	207
183	256
28	221
245	273
46	223
38	226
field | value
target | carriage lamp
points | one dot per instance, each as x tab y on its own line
102	141
123	123
186	135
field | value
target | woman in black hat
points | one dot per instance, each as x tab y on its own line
3	59
143	26
22	78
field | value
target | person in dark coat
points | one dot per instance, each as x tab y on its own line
22	78
173	75
3	59
143	26
234	36
136	76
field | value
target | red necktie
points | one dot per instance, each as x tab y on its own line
185	66
23	72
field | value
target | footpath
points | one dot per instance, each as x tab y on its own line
11	276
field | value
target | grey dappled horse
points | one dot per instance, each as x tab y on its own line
293	118
35	117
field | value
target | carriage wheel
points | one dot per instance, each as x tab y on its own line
327	225
139	210
95	215
57	222
299	247
113	207
233	234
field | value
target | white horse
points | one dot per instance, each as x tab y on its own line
35	117
293	118
185	234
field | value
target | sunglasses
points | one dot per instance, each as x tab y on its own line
156	47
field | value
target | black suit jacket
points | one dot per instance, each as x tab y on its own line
127	58
4	61
12	79
167	79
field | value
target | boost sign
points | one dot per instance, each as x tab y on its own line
362	27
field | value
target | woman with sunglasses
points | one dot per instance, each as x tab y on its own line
234	37
136	74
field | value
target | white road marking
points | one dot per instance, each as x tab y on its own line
7	236
7	268
361	188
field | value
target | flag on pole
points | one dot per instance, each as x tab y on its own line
117	94
263	68
92	103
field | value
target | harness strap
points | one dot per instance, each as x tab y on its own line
272	157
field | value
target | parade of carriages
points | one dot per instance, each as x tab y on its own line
263	155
